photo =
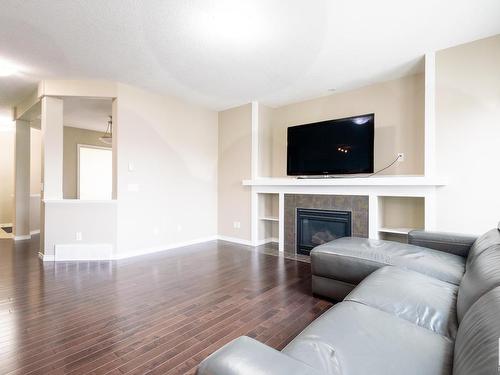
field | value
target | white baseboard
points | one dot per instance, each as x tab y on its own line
45	257
85	252
239	241
134	253
33	232
160	248
156	249
267	240
23	237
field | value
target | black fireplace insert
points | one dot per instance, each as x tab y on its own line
316	227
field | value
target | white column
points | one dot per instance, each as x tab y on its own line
254	160
281	222
114	112
373	216
430	115
52	161
52	148
255	141
22	181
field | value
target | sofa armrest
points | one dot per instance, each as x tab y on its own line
246	356
458	244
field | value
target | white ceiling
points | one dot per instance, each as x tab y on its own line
222	53
79	112
87	113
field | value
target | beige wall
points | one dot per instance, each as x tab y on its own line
72	138
399	121
235	146
7	139
170	196
468	135
95	220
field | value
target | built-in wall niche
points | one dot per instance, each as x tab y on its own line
400	215
268	213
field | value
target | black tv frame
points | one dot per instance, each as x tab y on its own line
332	172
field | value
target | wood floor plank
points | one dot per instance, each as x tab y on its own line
157	314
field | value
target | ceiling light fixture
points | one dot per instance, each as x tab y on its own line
7	68
108	134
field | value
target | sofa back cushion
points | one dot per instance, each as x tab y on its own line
485	241
476	345
481	275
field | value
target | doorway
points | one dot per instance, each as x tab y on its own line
95	173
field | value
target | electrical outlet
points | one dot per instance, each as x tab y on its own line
179	228
236	225
156	230
78	236
401	157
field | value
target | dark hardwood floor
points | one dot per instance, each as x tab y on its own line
156	314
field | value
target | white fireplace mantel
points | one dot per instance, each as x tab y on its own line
348	181
375	187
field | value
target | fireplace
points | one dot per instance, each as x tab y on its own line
316	227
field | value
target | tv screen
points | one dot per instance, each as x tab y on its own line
342	146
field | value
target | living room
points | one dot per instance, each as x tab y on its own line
215	188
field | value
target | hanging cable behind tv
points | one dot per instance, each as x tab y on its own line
353	176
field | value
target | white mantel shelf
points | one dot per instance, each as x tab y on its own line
350	181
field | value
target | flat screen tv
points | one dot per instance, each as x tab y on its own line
342	146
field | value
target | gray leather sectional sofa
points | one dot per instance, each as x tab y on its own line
428	307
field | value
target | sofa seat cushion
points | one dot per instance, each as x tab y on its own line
420	299
351	259
355	339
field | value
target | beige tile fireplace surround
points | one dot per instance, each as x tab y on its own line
356	204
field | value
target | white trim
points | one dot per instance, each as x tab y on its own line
138	252
35	195
33	232
22	238
239	241
381	181
45	257
254	223
157	249
73	251
78	201
255	141
430	115
267	240
374	216
6	225
269	218
161	248
281	222
400	231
